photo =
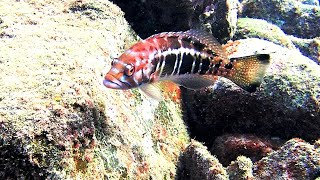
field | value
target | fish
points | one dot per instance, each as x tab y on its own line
193	59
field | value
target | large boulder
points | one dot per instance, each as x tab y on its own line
258	28
294	17
57	120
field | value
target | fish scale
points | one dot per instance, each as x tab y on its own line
193	59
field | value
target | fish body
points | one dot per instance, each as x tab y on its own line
193	59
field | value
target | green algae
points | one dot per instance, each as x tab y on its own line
198	163
257	28
240	168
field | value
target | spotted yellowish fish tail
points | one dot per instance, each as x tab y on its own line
249	71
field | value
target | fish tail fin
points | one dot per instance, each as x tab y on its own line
249	71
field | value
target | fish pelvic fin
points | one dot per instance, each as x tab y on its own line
152	91
249	71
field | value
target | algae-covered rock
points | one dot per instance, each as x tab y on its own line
240	169
308	47
197	163
229	146
292	16
286	105
57	120
258	28
296	159
218	17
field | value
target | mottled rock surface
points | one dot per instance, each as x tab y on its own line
240	169
197	163
293	17
218	17
295	160
229	146
308	47
258	28
57	120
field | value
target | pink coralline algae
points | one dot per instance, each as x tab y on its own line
296	159
228	147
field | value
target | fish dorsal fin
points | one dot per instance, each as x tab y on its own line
192	81
152	91
203	36
211	43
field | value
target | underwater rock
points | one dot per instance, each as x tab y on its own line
308	47
240	169
218	17
228	147
286	105
310	2
296	159
196	162
293	17
258	28
57	120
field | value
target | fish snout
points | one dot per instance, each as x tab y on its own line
111	82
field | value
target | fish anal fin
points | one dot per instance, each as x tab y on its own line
152	91
249	71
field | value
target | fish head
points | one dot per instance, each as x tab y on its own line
126	72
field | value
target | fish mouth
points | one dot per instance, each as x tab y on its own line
111	82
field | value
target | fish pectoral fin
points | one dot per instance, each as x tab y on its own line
152	91
191	81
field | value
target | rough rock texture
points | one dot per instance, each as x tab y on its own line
308	47
293	17
229	146
218	17
197	163
57	121
258	28
241	169
286	105
295	160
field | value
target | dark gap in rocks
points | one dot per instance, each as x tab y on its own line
14	163
83	7
151	17
210	117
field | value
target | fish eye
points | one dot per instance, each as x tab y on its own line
129	69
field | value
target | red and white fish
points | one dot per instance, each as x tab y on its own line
193	59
